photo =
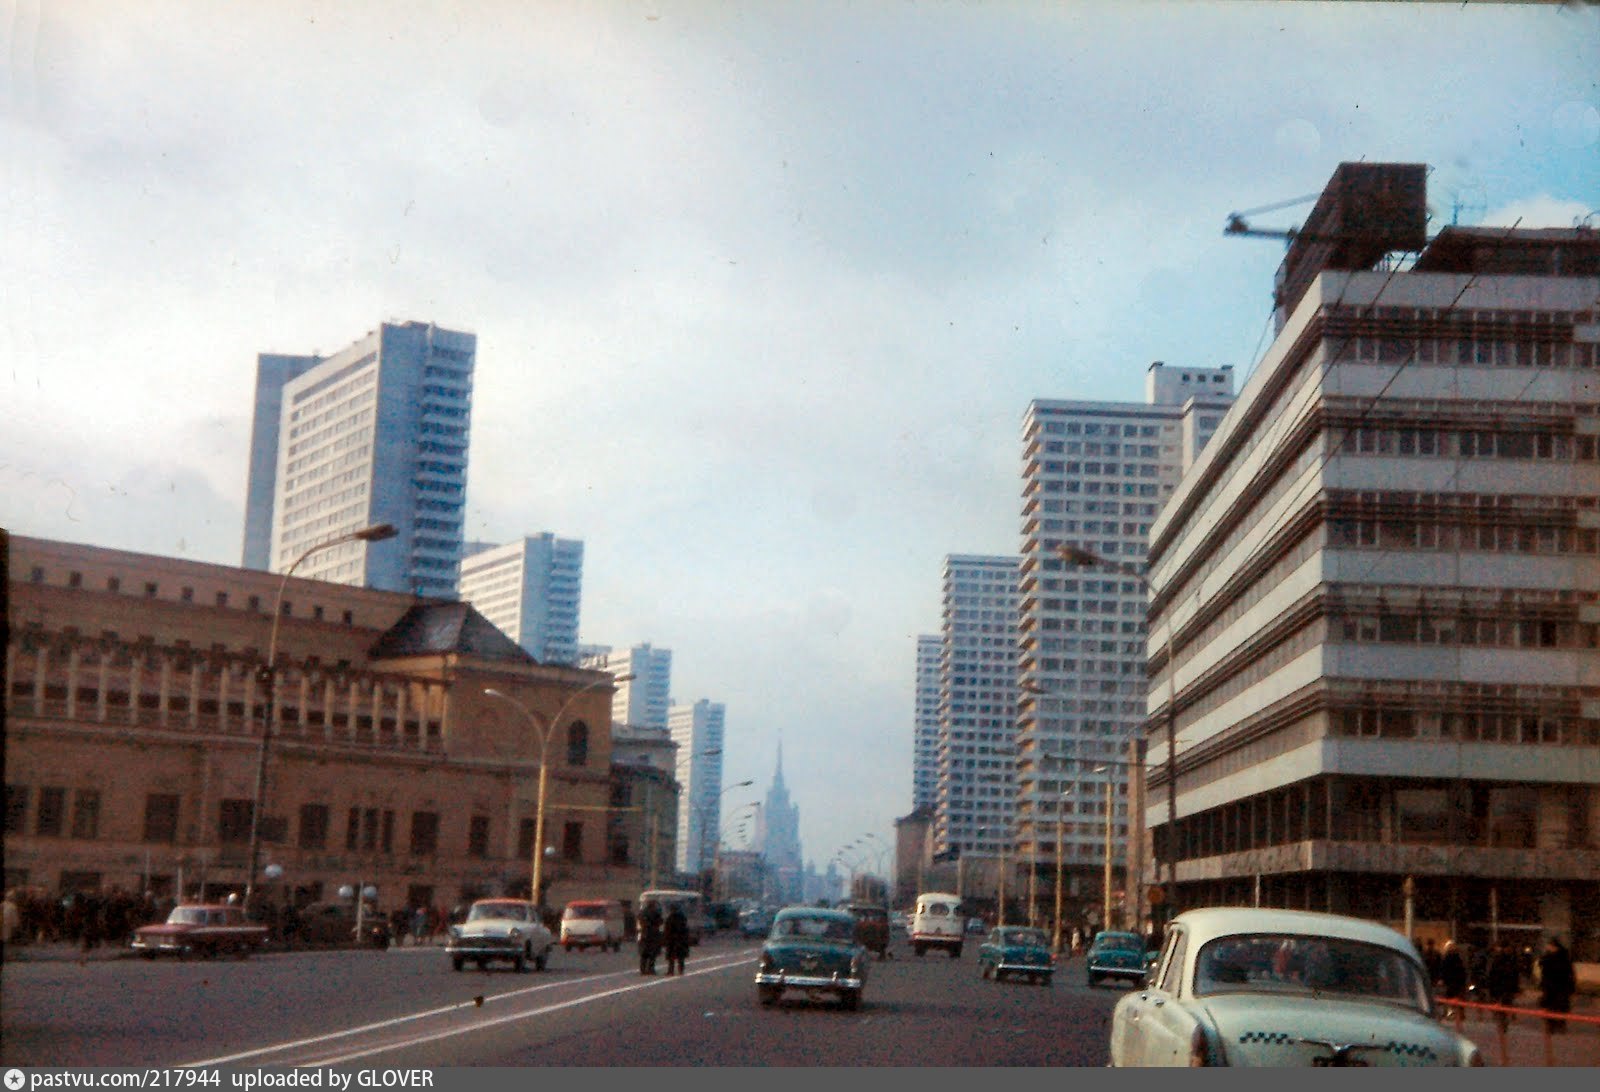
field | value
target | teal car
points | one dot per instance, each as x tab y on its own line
1016	950
815	951
1116	955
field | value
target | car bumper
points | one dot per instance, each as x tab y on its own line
1135	973
1024	968
159	944
809	981
487	949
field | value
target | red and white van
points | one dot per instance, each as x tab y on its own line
938	922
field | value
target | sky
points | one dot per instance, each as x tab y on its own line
761	290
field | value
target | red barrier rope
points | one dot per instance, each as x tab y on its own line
1460	1005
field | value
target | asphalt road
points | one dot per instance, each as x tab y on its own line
406	1007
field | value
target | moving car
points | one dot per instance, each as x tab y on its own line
202	929
1116	955
1016	950
501	929
334	923
1243	986
872	927
937	922
814	950
755	921
593	923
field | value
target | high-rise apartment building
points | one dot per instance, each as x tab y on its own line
697	730
925	726
375	433
1377	593
643	698
1094	475
977	789
531	589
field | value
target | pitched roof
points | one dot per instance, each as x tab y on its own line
436	628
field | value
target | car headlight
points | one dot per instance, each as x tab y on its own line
515	934
766	961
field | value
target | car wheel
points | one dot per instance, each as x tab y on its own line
519	962
566	945
1094	979
850	1000
955	953
919	949
767	995
1044	980
483	964
457	962
541	960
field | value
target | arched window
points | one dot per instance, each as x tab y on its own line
578	744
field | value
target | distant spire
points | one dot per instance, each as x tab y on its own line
777	778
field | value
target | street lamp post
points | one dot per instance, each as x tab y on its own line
544	734
1061	804
713	806
267	674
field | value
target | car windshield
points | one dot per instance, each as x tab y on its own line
815	929
586	912
1280	963
1119	942
187	915
1023	936
502	911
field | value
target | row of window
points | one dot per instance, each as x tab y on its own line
1482	350
1467	727
1466	443
186	594
1466	629
1434	534
366	829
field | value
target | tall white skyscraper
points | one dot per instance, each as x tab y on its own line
375	433
976	798
644	698
531	590
925	729
697	730
1095	474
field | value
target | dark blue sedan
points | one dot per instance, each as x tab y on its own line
1016	950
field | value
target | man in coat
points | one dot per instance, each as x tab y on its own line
1452	972
649	937
675	935
1557	982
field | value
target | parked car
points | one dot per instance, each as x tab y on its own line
501	929
334	924
755	921
814	950
937	922
593	923
201	929
1016	950
1241	986
872	927
1116	955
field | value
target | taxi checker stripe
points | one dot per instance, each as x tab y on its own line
1414	1050
1268	1037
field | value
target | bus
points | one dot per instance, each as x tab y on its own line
692	902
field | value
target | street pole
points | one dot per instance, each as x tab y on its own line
1110	810
267	675
1061	804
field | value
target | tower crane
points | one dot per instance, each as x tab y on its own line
1239	225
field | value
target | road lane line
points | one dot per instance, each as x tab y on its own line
279	1048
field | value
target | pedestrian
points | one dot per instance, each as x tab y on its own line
1452	973
675	937
10	923
1504	980
1430	960
650	925
1557	982
419	925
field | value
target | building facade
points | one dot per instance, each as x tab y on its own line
1095	474
925	725
645	696
531	590
697	730
780	842
375	433
1375	668
135	755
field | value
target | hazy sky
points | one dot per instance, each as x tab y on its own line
761	289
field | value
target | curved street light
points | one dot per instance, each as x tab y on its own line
544	734
267	673
702	811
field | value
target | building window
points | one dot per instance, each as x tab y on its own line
578	744
352	829
314	826
386	841
222	599
369	828
572	842
161	818
52	811
17	809
151	589
478	837
525	839
233	821
113	583
86	813
424	833
36	575
74	580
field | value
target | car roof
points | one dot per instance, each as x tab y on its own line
1220	921
815	912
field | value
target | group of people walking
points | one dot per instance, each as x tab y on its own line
663	934
1498	973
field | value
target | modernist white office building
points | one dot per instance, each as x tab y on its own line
1094	476
925	725
975	803
1377	593
697	730
644	698
531	589
375	433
